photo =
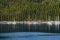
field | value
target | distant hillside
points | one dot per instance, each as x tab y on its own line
21	10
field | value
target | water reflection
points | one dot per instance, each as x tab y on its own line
43	27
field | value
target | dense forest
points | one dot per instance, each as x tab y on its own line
24	10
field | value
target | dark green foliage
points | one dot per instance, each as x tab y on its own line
23	10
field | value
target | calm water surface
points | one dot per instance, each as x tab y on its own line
29	36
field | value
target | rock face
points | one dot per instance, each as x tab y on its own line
30	28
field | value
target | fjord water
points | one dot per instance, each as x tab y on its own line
33	34
29	36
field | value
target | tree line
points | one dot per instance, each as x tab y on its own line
24	10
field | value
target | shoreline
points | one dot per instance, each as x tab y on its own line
29	22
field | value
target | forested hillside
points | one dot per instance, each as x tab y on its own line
23	10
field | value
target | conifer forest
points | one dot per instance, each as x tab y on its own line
24	10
